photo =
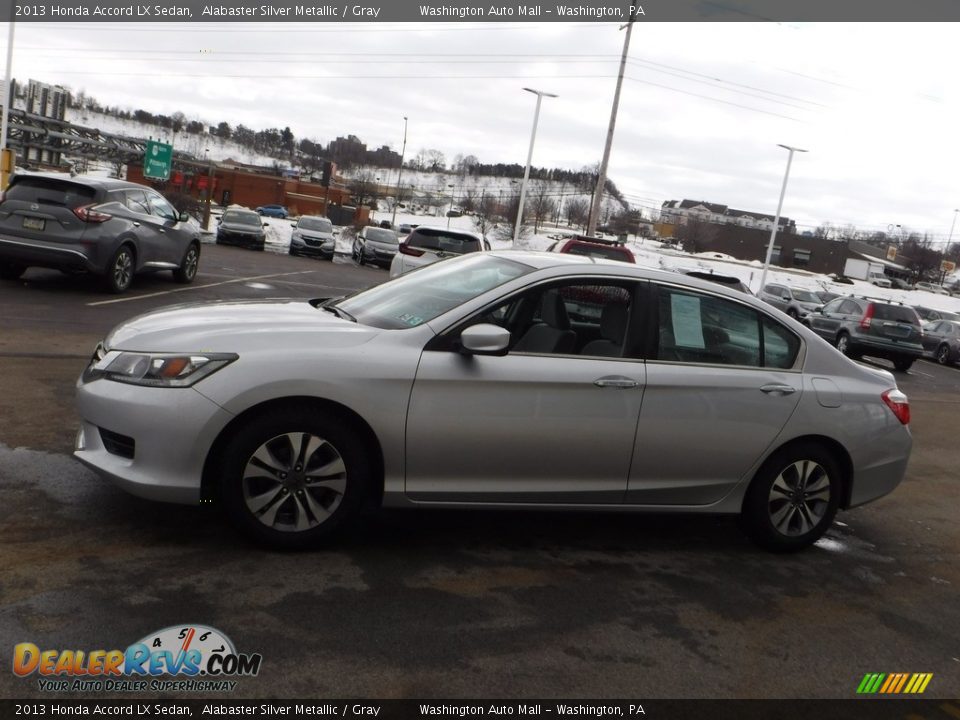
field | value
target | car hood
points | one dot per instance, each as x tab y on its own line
236	327
315	235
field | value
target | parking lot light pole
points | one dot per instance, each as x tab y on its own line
776	220
950	239
453	193
396	200
6	155
526	173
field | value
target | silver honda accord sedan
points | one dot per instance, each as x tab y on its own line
502	379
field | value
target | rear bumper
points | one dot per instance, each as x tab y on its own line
885	349
35	253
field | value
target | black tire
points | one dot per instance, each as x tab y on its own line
843	345
780	511
12	271
188	267
943	355
903	363
120	270
283	494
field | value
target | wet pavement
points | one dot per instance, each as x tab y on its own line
457	604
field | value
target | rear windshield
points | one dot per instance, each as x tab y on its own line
600	251
48	191
804	295
896	313
447	242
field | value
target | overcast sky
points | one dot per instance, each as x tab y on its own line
702	110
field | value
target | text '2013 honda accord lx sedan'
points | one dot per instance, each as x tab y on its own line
500	379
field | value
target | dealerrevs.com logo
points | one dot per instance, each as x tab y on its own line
185	658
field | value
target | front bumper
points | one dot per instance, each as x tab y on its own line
172	428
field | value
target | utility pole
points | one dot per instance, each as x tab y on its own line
602	177
6	154
403	152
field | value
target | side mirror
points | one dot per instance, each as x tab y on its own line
293	224
266	224
485	339
184	216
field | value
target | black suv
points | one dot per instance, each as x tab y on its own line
110	228
861	326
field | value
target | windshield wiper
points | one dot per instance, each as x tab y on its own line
338	312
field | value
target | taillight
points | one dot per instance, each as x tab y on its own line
88	214
407	250
898	403
867	316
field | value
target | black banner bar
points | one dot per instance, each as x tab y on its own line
859	709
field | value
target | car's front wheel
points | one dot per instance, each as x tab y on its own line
293	477
120	270
943	354
793	498
189	266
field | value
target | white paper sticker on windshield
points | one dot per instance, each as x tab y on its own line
687	323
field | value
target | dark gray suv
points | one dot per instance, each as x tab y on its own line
865	326
111	228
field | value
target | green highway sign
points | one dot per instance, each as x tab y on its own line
157	159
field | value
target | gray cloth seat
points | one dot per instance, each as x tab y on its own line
613	327
553	333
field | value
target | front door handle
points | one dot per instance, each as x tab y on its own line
616	382
778	389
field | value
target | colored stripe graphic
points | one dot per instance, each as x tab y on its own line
894	683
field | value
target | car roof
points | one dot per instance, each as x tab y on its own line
89	180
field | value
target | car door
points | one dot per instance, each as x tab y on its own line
721	385
834	316
143	224
542	423
933	335
172	236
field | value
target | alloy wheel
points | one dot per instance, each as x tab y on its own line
191	262
799	498
294	482
122	269
943	354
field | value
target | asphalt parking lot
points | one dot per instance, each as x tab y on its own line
456	604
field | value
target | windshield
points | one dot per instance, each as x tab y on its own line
318	224
381	235
805	296
420	296
241	218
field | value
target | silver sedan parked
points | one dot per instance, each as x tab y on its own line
495	379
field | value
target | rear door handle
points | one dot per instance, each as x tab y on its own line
778	389
616	382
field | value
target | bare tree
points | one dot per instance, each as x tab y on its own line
578	210
435	160
541	204
483	217
696	235
363	185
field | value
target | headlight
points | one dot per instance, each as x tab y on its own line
156	369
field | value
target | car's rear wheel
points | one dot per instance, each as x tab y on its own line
12	271
843	345
188	268
903	363
943	354
293	477
120	270
793	498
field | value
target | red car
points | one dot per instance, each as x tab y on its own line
593	247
